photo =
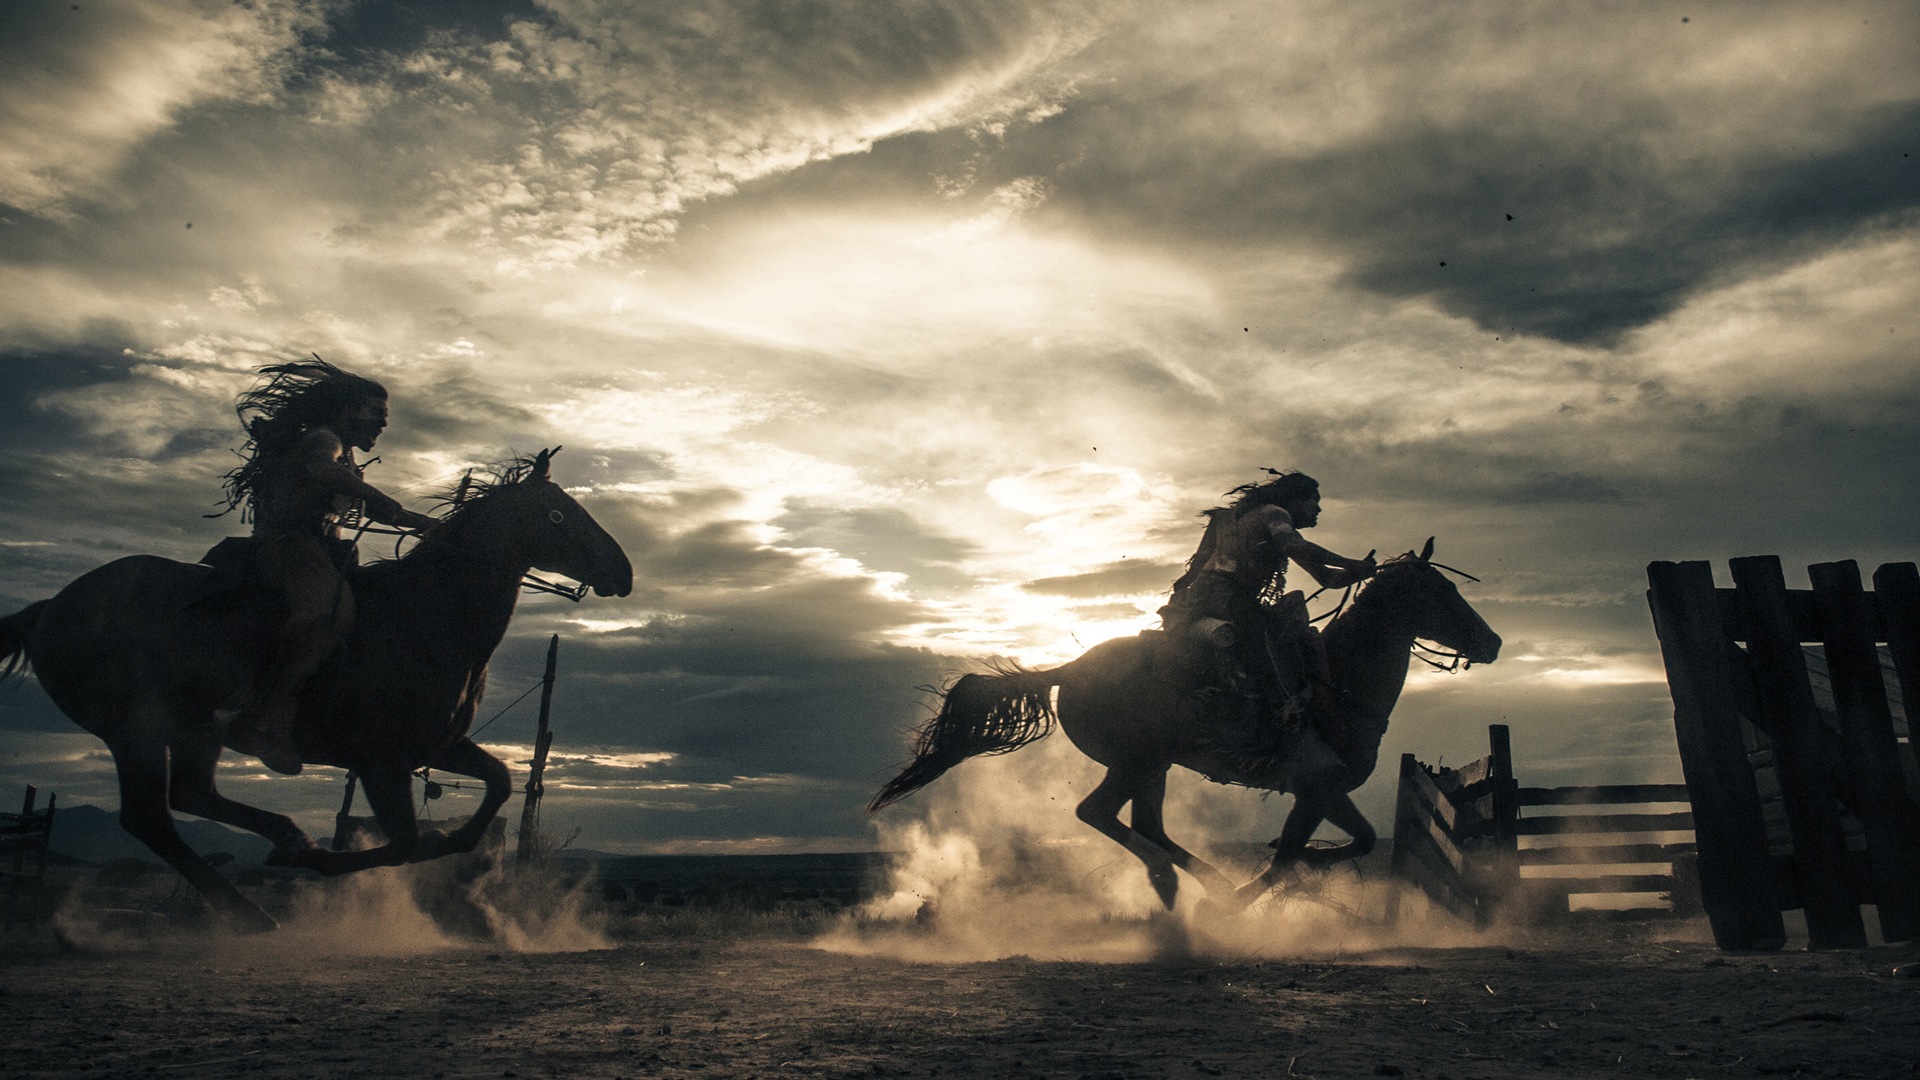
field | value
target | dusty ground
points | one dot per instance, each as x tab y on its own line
726	1000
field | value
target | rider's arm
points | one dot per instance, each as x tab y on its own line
324	455
1330	570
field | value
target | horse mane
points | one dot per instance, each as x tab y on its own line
481	481
474	487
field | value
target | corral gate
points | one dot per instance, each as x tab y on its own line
1797	749
1457	836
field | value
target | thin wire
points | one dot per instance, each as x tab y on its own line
503	712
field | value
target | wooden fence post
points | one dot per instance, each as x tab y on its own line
1786	712
343	821
1891	820
1736	872
1505	839
530	810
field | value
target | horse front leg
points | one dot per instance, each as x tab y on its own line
144	773
1311	806
467	759
389	791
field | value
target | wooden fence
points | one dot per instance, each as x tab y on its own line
23	860
1799	759
1477	842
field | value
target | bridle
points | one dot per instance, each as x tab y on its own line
529	581
1448	660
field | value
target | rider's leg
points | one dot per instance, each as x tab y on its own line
320	610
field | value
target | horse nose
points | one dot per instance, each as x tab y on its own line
1485	648
619	582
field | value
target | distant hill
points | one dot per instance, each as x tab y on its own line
93	835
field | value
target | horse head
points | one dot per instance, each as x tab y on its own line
524	512
1419	588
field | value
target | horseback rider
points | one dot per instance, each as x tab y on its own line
1231	609
304	421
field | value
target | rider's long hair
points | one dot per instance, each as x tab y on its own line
1285	487
288	401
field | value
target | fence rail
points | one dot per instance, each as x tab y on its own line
1457	836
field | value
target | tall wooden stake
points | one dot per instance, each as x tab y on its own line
343	821
530	811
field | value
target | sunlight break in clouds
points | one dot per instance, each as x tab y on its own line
657	111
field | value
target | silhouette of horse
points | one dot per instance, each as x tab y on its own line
1118	709
149	654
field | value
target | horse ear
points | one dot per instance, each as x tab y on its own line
1426	553
541	461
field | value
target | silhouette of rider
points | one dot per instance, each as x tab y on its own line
1266	651
300	479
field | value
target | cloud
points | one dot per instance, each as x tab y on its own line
1499	164
1117	579
888	338
83	86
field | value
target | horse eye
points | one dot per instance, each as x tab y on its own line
556	516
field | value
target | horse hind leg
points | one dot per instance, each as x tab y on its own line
193	791
144	773
1149	823
1147	838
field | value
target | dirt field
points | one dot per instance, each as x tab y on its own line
715	996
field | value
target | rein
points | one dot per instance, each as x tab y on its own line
1448	660
529	581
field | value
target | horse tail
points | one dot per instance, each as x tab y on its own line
13	640
988	713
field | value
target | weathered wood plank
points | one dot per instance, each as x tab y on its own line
1802	615
1603	795
1602	854
1602	883
1735	875
1555	824
1896	590
1423	852
1431	798
1891	820
1787	713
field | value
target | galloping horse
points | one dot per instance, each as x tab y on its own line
1118	711
149	654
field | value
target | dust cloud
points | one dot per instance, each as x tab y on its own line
993	864
447	904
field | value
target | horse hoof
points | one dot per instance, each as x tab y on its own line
1166	886
1215	911
290	851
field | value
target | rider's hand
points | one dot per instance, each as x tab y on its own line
417	522
1362	569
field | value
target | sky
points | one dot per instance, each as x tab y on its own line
889	338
